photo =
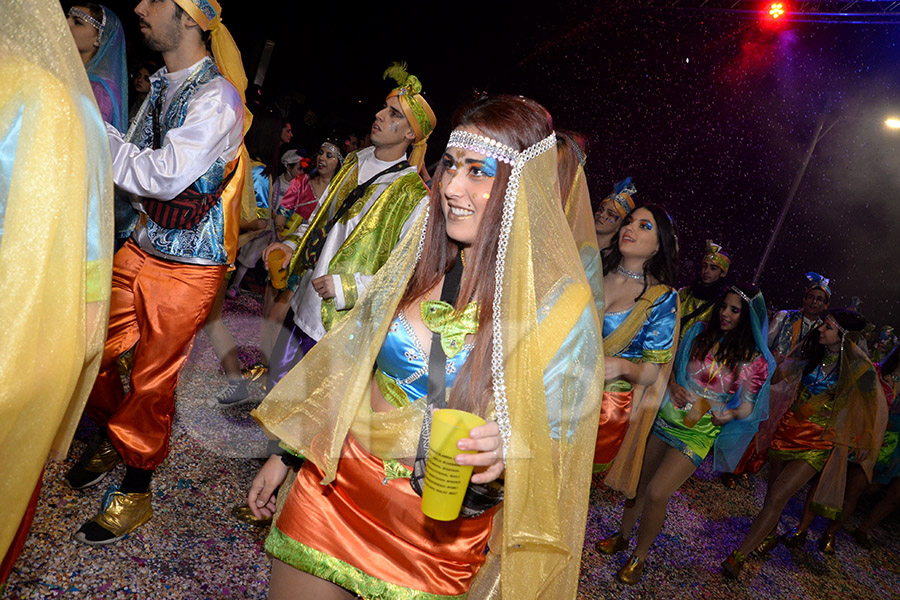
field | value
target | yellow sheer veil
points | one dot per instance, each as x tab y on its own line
56	245
544	322
857	422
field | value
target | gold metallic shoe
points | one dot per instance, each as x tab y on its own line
794	538
123	514
612	544
125	363
104	459
826	543
733	564
242	512
630	574
768	543
90	470
255	372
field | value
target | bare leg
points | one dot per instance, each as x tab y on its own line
238	276
288	583
653	457
856	485
671	475
275	309
808	516
221	339
790	479
886	506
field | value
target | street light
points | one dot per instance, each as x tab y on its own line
892	123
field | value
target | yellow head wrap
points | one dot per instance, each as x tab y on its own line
208	15
715	254
420	116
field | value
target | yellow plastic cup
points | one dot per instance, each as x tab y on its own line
445	481
277	273
700	408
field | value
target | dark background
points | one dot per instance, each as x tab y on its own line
710	111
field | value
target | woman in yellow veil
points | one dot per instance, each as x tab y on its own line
54	262
528	361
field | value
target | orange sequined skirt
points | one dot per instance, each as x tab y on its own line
615	410
366	533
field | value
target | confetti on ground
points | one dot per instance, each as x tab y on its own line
193	547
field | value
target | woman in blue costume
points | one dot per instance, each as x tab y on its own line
835	405
887	466
718	396
522	346
100	41
639	330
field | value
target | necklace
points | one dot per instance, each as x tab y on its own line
462	256
829	358
714	371
637	276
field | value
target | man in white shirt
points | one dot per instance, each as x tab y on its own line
181	161
371	204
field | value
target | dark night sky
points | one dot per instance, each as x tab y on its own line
709	112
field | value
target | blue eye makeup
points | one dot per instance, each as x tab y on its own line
646	225
489	167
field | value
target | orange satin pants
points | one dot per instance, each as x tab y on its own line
157	306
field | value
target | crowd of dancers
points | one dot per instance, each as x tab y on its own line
494	285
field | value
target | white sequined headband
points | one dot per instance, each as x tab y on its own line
498	355
738	291
334	150
76	12
483	145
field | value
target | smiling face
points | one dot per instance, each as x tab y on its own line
391	127
638	237
607	218
730	313
829	334
465	189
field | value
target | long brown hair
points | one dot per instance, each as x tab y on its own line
736	346
519	123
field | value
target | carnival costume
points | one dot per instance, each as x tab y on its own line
725	389
351	244
887	465
166	275
820	416
698	300
646	332
546	373
54	262
622	197
107	70
789	327
577	208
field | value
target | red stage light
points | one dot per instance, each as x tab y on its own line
776	10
